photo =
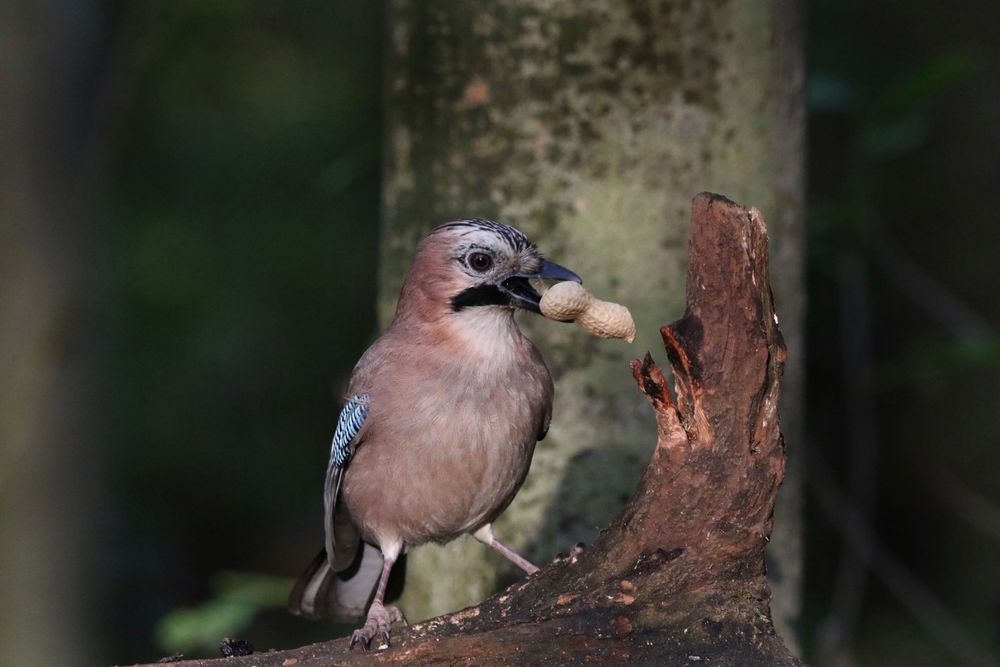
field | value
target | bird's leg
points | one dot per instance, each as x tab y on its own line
380	617
485	535
514	557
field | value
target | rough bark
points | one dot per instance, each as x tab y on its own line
679	577
589	125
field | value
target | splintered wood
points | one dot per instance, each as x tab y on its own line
569	301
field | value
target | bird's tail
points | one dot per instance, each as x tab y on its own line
339	596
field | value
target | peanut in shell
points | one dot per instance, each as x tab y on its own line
568	301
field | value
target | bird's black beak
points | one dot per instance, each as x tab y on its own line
523	295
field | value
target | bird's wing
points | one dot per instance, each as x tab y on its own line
341	534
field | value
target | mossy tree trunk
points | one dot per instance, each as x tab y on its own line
590	126
48	386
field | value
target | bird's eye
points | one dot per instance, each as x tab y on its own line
480	261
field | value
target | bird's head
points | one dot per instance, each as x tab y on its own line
474	264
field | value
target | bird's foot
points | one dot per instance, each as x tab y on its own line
573	555
380	618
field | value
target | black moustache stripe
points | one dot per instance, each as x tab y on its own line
481	295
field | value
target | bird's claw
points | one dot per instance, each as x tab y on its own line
574	553
379	620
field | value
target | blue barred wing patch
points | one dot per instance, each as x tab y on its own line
352	418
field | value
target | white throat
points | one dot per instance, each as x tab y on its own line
489	332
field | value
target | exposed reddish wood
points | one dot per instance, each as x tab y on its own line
681	572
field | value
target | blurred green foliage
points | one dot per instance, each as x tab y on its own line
237	597
237	267
887	120
902	97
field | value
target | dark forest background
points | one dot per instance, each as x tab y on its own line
231	229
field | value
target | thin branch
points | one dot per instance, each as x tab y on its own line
970	505
926	291
837	630
919	600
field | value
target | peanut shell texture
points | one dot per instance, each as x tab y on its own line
569	301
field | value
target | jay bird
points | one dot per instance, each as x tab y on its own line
441	419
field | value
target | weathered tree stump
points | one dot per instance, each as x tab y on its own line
679	577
